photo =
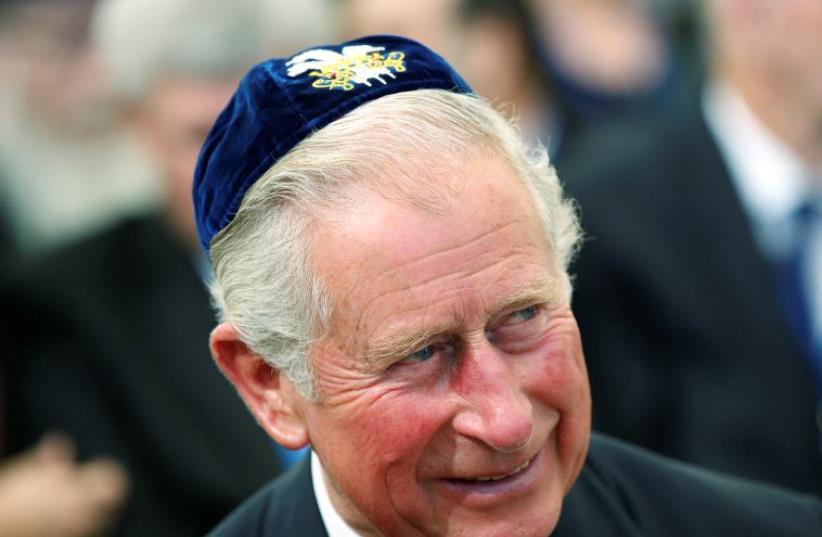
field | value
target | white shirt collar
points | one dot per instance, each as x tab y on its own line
768	176
334	523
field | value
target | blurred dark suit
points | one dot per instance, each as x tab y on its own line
686	346
6	241
108	342
8	247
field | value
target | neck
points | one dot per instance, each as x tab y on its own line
334	506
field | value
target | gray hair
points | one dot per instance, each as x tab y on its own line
264	284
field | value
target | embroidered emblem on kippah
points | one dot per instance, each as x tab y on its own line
357	64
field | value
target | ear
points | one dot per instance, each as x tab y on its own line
270	396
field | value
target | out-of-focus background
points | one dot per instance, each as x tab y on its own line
70	75
689	131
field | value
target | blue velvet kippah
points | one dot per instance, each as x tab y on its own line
283	100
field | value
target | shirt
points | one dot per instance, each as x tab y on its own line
335	525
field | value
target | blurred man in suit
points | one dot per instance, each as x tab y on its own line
391	277
699	293
105	339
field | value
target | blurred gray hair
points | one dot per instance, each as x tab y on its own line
143	41
264	283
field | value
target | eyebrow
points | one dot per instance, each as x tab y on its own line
547	291
401	345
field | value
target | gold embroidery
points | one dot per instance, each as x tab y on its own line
354	66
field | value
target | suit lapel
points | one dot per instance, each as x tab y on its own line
732	261
293	509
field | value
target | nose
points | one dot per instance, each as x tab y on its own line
497	412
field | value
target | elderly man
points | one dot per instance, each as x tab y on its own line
391	277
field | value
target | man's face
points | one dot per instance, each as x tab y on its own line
770	49
454	394
173	121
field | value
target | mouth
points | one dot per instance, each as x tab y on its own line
516	471
488	490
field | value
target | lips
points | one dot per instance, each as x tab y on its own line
491	490
517	470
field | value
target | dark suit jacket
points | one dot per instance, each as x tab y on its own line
108	341
687	349
621	492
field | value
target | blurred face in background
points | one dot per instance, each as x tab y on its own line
498	57
771	50
791	41
496	60
44	55
173	121
608	46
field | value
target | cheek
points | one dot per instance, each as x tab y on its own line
376	447
385	434
555	373
557	378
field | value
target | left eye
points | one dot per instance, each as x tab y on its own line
523	315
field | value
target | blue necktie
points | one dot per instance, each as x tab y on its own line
794	281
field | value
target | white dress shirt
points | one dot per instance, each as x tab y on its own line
334	523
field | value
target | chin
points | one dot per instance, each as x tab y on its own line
538	526
537	517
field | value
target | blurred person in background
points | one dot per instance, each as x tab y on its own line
607	56
104	340
499	56
45	493
8	246
62	143
699	293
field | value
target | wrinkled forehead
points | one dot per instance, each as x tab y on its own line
483	225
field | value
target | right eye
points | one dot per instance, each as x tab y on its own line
444	349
